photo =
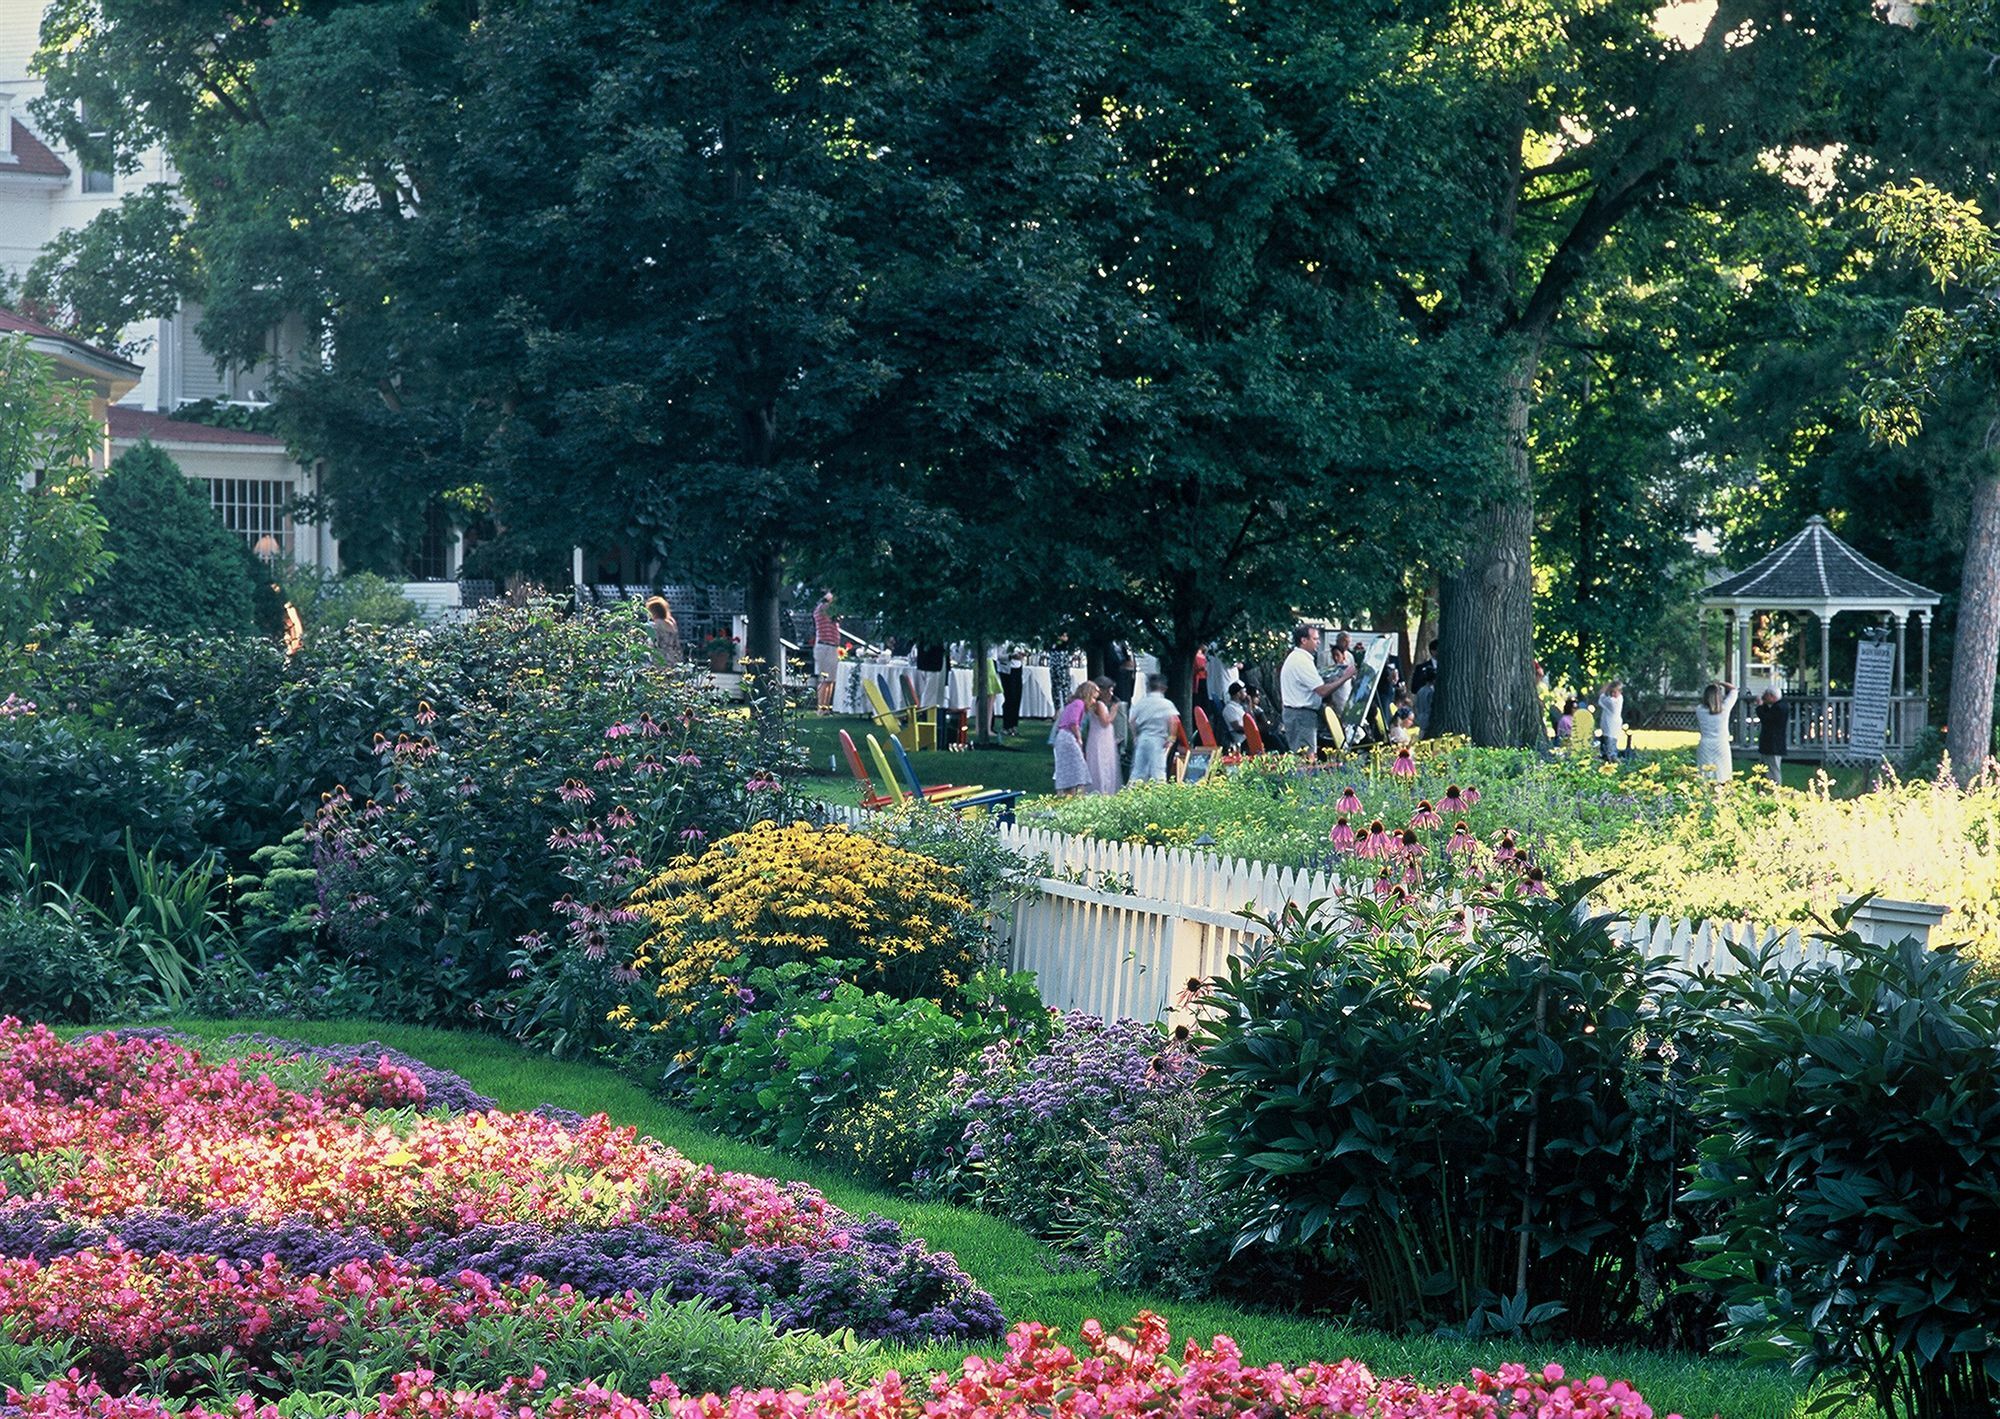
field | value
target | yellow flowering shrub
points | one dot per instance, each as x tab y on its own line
777	893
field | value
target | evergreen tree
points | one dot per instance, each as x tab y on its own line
178	569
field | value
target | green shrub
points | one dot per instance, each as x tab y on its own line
1854	1152
800	1057
328	603
178	569
51	967
78	792
1491	1132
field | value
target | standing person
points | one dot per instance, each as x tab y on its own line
1773	718
1611	721
1125	670
1100	740
826	650
1072	774
934	674
1302	694
1151	718
1425	671
1010	688
665	634
1712	758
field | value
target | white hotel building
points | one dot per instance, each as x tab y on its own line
251	481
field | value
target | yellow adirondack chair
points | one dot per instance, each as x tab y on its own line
909	734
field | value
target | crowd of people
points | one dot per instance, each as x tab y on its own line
1113	729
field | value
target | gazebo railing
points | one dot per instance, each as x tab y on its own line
1817	726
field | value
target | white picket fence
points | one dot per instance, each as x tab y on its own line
1121	930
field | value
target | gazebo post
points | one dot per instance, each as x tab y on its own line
1742	676
1902	626
1826	682
1924	626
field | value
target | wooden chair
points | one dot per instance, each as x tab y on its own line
870	799
1204	732
925	720
1253	737
959	796
886	719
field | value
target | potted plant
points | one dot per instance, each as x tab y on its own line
720	651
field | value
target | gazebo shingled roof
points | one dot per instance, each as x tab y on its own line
1815	568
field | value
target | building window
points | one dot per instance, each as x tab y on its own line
255	509
430	559
95	179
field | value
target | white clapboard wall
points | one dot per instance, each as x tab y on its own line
1120	930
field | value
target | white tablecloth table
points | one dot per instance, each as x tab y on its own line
888	674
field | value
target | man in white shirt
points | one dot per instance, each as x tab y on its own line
1301	692
1235	710
1152	719
1611	722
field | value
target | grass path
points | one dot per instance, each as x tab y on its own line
1026	1278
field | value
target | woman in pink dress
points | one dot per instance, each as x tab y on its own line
1072	775
1100	744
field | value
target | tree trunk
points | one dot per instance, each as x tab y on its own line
760	601
1427	621
1486	635
1178	666
1976	645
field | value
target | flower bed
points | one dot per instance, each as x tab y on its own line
225	1210
1122	1376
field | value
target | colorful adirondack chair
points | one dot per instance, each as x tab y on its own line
1253	737
906	732
925	720
962	796
869	797
1204	732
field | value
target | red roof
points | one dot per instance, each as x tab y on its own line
12	322
135	424
35	158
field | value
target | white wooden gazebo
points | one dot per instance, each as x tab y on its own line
1817	574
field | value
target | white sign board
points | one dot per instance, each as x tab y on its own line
1874	675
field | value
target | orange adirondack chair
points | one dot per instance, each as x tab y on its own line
1204	732
1253	737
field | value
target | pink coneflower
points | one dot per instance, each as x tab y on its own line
1413	876
619	817
648	727
762	783
1373	841
1461	839
688	760
1408	843
618	731
1405	766
1350	802
1471	796
1453	801
1384	886
692	835
609	762
465	788
425	714
575	790
648	765
382	744
1426	816
1507	851
1342	836
1535	884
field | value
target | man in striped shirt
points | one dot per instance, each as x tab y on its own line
826	650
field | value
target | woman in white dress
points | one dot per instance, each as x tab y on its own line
1711	721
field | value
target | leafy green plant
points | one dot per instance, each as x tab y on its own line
808	1061
52	967
1852	1110
1489	1131
50	524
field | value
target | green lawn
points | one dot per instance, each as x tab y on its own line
1029	1282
